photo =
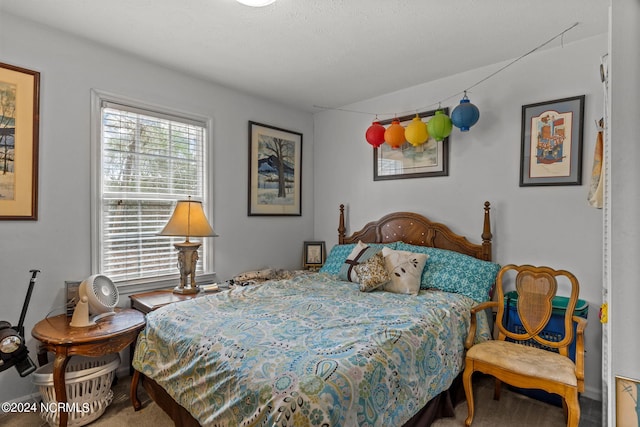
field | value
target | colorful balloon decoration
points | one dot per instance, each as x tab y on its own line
465	114
394	135
416	132
439	126
375	134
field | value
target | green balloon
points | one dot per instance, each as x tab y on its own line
439	126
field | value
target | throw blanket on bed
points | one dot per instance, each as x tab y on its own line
310	351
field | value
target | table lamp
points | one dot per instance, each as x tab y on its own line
188	220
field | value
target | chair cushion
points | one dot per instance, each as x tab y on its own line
525	360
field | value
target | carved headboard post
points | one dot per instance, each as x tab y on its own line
486	233
341	228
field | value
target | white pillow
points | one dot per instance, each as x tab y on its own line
405	269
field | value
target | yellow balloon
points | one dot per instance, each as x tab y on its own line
416	132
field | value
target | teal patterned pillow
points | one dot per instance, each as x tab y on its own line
336	258
339	253
455	272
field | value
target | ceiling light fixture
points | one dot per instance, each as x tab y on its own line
256	3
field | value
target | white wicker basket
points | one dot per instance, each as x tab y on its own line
88	383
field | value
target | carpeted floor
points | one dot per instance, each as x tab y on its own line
119	413
512	409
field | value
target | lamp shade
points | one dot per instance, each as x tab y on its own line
188	219
416	132
465	114
439	126
394	135
375	134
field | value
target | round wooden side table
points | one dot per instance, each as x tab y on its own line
109	335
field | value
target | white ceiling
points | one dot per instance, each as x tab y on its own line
331	53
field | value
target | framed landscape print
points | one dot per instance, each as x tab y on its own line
275	171
425	160
19	129
552	142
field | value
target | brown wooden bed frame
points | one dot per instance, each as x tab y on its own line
408	227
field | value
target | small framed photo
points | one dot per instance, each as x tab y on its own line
552	142
314	255
426	160
72	295
627	398
275	171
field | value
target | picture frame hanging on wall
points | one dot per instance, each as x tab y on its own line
275	171
551	150
430	159
19	133
627	398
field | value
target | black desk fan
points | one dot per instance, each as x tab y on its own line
13	351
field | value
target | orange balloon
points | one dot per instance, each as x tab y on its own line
394	135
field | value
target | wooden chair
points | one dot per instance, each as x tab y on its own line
516	358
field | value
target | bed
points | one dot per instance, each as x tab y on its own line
314	349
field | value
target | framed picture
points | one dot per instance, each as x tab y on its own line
72	295
627	403
275	171
552	142
19	129
425	160
314	255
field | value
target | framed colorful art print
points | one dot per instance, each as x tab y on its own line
275	171
552	142
19	130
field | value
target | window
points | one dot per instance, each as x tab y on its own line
146	159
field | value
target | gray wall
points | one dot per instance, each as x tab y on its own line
624	287
551	226
59	242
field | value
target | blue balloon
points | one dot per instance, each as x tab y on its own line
465	115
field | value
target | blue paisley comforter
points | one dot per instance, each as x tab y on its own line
309	351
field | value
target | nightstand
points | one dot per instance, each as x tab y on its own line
153	300
146	302
108	335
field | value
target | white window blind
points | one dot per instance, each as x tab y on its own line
149	160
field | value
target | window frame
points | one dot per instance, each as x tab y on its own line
98	98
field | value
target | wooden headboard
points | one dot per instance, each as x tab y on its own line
418	230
